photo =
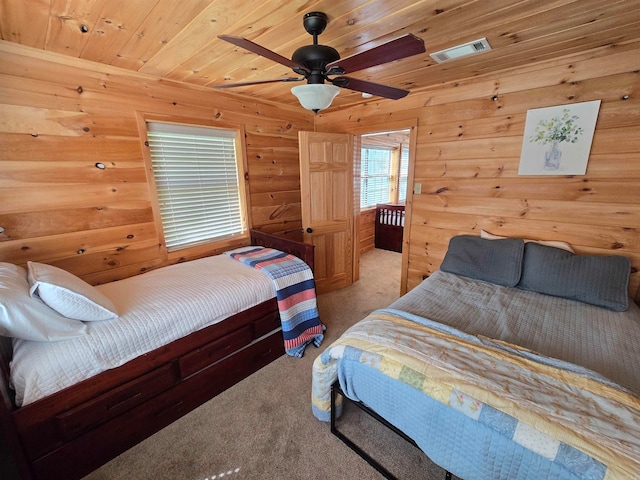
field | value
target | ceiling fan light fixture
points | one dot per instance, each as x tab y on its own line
316	63
315	96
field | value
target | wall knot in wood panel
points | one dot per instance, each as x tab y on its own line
279	211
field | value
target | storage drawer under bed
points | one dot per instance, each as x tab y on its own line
266	324
40	438
218	349
213	351
111	438
100	409
41	434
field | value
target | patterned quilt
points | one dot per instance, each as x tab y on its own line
587	428
296	294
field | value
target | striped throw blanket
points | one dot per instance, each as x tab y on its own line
295	292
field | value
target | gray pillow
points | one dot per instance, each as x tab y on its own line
494	261
597	280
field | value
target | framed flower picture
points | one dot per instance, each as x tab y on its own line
557	140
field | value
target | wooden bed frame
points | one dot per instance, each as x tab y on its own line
72	432
389	228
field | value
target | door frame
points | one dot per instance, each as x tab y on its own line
410	124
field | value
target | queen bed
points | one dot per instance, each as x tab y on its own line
512	361
78	393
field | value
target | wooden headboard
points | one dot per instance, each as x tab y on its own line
301	250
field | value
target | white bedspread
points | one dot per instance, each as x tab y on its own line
155	309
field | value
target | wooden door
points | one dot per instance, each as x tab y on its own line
326	185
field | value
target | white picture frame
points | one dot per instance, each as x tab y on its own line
557	140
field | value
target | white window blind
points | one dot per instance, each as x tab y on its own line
375	176
404	174
196	175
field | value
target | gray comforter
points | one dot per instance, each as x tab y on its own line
601	340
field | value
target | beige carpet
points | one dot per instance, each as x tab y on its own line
263	428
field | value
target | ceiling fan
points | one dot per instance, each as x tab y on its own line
316	63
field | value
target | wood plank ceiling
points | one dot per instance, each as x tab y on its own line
177	40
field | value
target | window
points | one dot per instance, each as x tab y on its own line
196	172
384	168
375	176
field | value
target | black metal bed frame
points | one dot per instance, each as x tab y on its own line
337	390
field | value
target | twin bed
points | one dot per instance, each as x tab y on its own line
89	390
512	361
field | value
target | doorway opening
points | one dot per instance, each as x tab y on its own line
384	169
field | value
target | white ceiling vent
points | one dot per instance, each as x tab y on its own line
471	48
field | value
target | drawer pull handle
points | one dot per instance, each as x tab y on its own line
170	409
126	400
263	354
218	351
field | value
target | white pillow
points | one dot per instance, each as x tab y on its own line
69	295
548	243
22	316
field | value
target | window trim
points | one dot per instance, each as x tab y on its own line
217	246
388	176
395	163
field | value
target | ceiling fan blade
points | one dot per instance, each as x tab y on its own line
260	50
402	47
258	82
369	87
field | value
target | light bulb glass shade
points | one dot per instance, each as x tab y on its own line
315	96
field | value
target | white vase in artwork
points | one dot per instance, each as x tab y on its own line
552	157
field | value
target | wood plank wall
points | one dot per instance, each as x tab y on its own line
468	150
59	116
367	226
